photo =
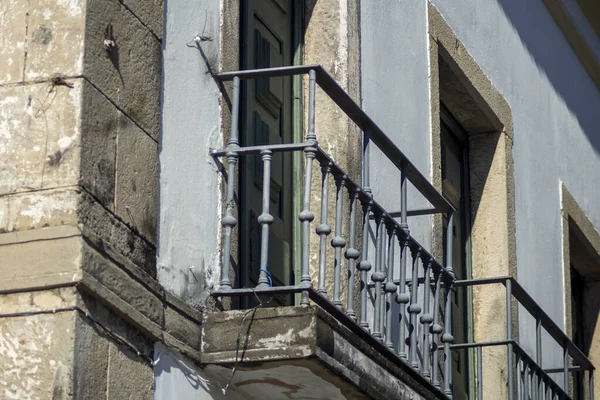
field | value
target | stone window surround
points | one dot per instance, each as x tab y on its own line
458	81
573	217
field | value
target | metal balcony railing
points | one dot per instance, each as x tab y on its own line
424	287
525	375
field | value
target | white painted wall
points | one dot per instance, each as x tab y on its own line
189	183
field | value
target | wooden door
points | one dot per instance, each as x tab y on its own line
267	28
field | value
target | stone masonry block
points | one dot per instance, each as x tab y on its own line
182	328
25	258
136	199
13	19
38	301
118	282
37	356
150	12
130	73
129	377
99	126
39	136
39	209
55	38
90	361
111	234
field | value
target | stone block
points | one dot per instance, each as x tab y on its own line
37	356
113	278
150	12
55	39
39	209
99	127
130	73
270	333
90	361
13	19
39	136
112	235
182	328
38	301
129	377
136	199
40	258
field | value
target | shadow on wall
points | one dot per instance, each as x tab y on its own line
554	56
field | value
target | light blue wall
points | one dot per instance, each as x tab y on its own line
555	107
189	183
395	94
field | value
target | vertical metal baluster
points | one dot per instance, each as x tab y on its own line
402	297
378	277
229	221
534	384
364	265
323	230
566	368
265	219
447	338
436	328
381	295
338	242
479	373
426	318
390	286
509	337
525	381
352	254
518	375
306	216
414	309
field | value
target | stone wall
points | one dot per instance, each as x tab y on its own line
79	131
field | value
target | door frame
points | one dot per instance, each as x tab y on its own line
297	127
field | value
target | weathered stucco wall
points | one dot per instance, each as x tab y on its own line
189	255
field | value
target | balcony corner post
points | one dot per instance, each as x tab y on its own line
229	221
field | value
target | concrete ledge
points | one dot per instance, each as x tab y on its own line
286	335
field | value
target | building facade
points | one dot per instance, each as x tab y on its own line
429	228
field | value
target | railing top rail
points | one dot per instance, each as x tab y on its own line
360	118
536	311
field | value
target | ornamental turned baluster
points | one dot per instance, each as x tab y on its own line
306	216
402	297
447	338
229	221
364	266
265	219
414	309
426	318
436	328
352	254
390	286
323	230
378	277
338	242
